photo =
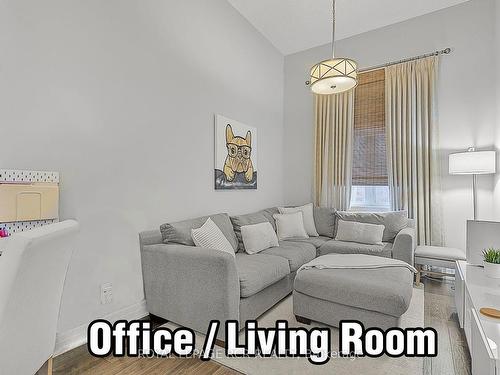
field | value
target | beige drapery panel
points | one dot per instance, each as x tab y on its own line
411	131
334	118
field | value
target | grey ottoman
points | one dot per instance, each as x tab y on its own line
376	297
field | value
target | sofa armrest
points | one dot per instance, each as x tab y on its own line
190	285
404	246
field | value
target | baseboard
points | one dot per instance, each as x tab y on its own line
75	337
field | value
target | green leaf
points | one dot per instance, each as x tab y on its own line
491	255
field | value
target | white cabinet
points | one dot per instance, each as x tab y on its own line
483	359
474	291
459	295
468	306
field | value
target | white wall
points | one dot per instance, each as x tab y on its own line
466	99
119	96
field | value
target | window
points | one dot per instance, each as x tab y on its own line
370	198
370	190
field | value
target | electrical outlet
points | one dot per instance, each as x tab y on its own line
106	293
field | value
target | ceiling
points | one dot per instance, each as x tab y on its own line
296	25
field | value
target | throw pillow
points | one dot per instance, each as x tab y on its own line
307	216
248	219
258	237
352	231
211	237
394	221
290	226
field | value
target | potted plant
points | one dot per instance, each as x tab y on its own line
492	263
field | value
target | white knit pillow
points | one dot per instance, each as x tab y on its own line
307	216
211	237
258	237
352	231
290	226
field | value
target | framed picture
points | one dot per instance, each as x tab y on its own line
235	155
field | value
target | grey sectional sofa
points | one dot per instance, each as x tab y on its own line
190	286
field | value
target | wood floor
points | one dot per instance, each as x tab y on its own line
440	313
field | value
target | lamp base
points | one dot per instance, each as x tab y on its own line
474	195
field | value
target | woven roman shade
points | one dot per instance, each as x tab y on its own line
369	145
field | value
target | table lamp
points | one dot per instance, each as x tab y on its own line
473	162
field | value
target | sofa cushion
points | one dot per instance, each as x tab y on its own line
393	221
386	290
250	219
315	241
439	253
258	271
268	213
180	231
324	218
343	247
296	253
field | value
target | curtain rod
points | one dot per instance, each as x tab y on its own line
445	51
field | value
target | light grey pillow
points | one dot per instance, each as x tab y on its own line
307	216
258	237
353	231
393	221
290	226
249	219
324	218
180	231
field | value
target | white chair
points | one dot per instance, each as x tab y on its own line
33	268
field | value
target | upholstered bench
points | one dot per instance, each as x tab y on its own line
436	256
377	297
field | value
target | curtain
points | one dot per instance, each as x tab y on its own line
334	118
411	131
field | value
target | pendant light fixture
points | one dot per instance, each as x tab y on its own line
334	75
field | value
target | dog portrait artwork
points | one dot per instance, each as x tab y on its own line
235	155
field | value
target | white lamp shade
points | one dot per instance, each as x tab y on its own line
472	162
334	76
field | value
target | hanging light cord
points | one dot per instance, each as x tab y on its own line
333	29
